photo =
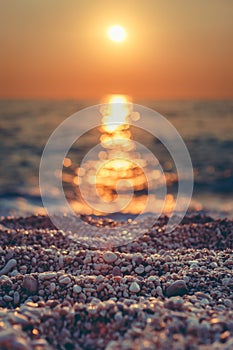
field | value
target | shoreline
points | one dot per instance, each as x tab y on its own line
160	291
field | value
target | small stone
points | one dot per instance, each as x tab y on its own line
139	270
9	254
174	303
137	258
60	261
21	319
47	275
8	267
39	343
77	289
52	287
227	281
213	265
64	280
168	258
159	291
30	284
192	325
9	340
112	345
118	316
177	288
116	271
204	302
194	266
134	287
14	273
7	298
228	303
34	261
16	298
109	257
201	295
148	268
228	263
87	260
5	281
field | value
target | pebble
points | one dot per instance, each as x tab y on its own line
61	261
227	281
8	267
177	288
139	270
7	298
137	258
116	271
5	281
64	280
30	284
159	291
134	287
47	275
21	319
16	298
109	257
213	265
52	287
168	258
77	289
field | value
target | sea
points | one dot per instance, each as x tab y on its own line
206	127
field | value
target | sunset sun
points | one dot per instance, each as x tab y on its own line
117	33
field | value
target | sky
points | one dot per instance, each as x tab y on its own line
175	49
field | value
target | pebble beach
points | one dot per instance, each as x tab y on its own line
160	291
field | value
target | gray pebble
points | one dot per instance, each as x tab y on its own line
7	298
30	284
47	275
177	288
16	298
64	280
8	267
52	287
139	270
134	287
77	289
109	257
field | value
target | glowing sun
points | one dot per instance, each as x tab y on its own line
117	33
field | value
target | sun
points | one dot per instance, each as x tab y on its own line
117	33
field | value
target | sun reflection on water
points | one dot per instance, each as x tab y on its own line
118	162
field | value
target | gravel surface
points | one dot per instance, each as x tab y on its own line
162	291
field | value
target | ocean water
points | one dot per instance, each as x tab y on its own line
205	126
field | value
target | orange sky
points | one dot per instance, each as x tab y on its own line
60	49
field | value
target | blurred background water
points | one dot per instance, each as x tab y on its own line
25	126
